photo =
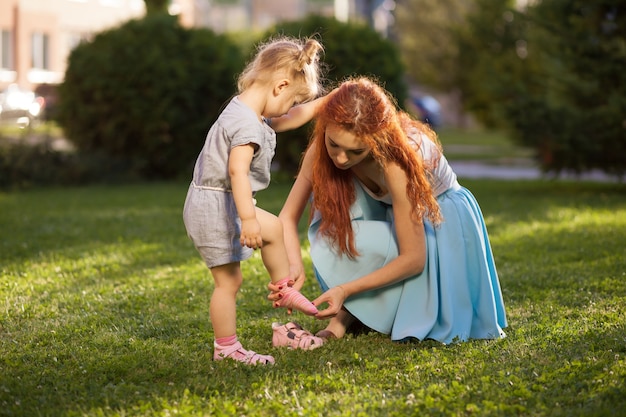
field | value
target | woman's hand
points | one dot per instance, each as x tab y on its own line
335	298
275	294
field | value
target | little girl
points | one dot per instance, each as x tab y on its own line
220	213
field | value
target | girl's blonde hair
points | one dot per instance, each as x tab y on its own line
296	59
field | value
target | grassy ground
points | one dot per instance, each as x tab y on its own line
490	147
104	313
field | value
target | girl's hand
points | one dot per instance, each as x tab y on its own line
335	298
251	234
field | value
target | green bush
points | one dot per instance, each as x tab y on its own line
350	49
24	165
554	74
145	94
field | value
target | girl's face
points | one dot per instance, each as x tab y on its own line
344	148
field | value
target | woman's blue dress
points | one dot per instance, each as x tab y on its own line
456	297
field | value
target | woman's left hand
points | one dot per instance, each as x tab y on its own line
275	290
335	298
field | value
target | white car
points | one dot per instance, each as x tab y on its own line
19	106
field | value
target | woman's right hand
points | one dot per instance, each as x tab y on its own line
335	298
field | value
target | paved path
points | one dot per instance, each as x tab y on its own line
472	169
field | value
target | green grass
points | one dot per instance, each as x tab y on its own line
105	313
488	146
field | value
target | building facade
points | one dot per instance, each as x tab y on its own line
37	36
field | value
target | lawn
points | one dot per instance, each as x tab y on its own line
487	146
105	313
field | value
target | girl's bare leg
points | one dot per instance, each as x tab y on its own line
276	262
223	307
273	251
223	313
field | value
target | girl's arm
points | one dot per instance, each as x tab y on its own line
296	116
238	170
411	244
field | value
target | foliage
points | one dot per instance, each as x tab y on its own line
426	34
31	163
22	165
554	73
488	58
105	313
350	49
145	94
156	6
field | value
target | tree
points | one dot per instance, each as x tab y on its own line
144	94
156	6
492	61
426	32
554	73
427	39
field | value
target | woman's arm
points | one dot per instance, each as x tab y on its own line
411	244
290	215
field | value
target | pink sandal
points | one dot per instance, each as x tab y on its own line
238	353
294	336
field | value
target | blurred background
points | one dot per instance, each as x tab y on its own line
118	90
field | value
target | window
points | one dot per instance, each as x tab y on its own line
6	50
40	51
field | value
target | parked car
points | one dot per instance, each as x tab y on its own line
429	110
19	106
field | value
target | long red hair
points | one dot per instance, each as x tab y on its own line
363	108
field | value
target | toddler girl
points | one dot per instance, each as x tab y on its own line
220	214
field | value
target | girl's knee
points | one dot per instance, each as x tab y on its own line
227	277
272	231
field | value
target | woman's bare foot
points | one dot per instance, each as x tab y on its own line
337	326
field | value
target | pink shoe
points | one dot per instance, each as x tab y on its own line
294	336
238	353
293	299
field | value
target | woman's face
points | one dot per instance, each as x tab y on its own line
344	148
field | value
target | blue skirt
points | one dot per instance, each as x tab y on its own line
456	297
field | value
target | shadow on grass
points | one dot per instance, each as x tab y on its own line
111	312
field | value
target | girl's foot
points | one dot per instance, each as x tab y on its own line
293	299
238	353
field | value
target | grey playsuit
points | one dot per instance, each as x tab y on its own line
210	214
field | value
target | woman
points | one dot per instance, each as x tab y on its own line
396	242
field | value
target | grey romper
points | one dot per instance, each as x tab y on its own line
210	214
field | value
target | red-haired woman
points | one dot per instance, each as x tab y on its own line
396	242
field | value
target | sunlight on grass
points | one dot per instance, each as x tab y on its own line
105	313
